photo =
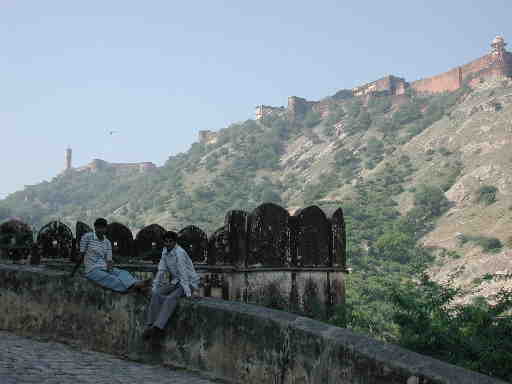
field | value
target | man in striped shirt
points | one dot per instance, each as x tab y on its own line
185	282
96	251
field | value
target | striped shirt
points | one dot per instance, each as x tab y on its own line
97	252
178	263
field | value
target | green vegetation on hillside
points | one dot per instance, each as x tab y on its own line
243	168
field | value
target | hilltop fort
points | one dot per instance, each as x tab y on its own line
97	164
497	63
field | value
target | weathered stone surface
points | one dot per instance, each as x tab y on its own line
122	241
238	342
55	240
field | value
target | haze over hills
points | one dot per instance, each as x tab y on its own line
426	163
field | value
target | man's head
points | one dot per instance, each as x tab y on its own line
100	226
170	238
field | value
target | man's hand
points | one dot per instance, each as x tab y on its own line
109	266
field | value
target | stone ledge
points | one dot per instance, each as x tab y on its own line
231	340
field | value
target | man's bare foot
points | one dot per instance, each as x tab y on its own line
148	333
146	291
154	334
143	283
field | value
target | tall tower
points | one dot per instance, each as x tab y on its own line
69	156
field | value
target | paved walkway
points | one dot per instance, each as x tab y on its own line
24	361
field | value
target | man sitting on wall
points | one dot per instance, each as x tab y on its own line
185	282
96	251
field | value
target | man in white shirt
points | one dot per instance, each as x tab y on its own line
96	251
185	282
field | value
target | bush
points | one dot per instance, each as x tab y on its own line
374	147
387	126
474	336
486	194
444	151
336	113
407	114
431	199
379	104
312	118
394	245
488	244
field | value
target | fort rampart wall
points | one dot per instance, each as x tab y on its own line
240	343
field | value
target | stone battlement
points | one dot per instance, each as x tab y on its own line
267	110
208	137
98	164
496	64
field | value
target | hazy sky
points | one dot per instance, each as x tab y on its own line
157	72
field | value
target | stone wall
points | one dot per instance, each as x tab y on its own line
234	341
391	84
98	164
485	67
448	81
208	137
263	111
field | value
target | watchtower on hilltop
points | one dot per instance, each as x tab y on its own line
69	158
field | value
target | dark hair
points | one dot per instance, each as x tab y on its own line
100	222
170	235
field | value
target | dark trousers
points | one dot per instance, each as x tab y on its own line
162	306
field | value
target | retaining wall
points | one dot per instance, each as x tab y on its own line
230	340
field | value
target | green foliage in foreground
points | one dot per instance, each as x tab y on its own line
424	316
477	336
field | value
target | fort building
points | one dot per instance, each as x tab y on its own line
207	137
69	157
496	64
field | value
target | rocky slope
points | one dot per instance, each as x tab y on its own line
458	142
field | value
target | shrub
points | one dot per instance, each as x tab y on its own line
329	130
379	104
474	336
312	118
444	151
431	199
387	126
488	244
486	194
407	113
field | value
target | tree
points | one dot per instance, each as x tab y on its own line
486	194
312	118
407	113
475	336
395	245
4	213
431	199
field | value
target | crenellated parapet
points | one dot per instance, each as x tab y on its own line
263	111
99	164
496	64
391	85
208	137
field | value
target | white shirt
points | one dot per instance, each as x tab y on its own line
178	263
97	252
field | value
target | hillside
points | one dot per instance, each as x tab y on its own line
406	168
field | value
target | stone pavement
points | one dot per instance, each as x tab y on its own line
24	361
